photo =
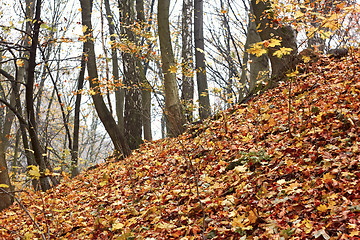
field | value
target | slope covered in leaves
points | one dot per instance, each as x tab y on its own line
286	165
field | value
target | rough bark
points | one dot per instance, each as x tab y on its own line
259	66
203	92
174	112
103	112
187	64
133	104
269	29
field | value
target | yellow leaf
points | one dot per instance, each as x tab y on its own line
240	169
34	171
92	92
84	28
354	233
306	59
166	226
322	208
257	50
266	116
298	14
173	69
282	51
4	186
117	226
328	176
19	63
274	42
272	122
223	11
292	74
252	216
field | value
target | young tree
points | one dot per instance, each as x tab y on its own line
175	115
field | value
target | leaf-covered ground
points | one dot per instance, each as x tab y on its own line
275	168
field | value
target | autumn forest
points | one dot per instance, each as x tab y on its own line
192	119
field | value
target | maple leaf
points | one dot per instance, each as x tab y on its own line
274	42
322	208
282	51
257	50
173	69
34	171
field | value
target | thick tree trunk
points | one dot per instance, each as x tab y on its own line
259	66
203	91
103	112
269	29
133	104
187	64
175	115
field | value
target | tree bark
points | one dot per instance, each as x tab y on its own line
133	104
175	115
259	66
269	29
119	92
146	88
103	112
187	64
75	144
203	91
29	95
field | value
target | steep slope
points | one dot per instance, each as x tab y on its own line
285	165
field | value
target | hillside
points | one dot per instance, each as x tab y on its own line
275	168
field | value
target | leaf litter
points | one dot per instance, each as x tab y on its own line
254	171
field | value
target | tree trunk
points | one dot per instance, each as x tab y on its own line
75	144
103	112
175	115
187	64
259	66
29	97
133	104
119	92
146	88
203	91
269	29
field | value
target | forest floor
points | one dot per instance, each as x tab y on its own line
286	165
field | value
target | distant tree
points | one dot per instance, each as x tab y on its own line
116	135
